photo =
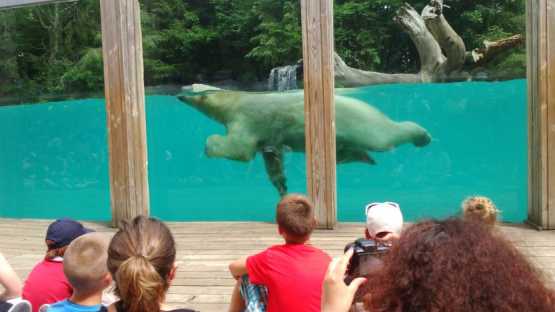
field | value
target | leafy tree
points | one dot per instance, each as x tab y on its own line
56	48
278	39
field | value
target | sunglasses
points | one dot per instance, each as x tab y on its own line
391	204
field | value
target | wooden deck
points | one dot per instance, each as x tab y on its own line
205	249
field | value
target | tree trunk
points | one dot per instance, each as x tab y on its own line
347	77
449	41
441	50
431	58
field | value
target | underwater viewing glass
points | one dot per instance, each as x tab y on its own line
446	110
53	159
224	107
419	122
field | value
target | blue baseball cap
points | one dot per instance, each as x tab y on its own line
63	231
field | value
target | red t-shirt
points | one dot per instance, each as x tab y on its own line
293	274
46	284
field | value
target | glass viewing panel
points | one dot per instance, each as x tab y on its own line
53	159
445	118
428	125
225	113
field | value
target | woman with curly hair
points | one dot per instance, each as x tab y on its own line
450	265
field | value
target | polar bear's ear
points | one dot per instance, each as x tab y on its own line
198	87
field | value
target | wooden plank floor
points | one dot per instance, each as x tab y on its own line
205	249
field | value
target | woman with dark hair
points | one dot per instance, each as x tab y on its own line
450	265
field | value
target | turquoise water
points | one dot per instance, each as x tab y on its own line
53	159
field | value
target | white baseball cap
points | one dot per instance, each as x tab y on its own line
383	217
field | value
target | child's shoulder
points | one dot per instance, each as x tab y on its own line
286	247
68	306
47	266
56	307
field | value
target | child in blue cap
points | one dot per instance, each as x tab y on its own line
47	283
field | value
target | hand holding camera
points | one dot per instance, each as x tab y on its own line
366	259
336	295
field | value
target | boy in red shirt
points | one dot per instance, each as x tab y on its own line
47	283
293	272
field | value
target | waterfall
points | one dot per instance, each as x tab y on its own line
283	78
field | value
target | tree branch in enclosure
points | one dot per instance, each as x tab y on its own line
442	51
450	42
491	49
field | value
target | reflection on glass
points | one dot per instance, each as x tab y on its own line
457	70
53	159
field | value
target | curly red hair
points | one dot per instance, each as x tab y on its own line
456	266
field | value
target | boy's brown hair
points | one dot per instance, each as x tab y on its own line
295	216
52	253
85	262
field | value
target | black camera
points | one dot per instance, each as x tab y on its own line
367	257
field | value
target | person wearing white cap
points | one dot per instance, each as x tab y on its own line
384	221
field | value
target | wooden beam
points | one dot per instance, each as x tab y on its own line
11	4
125	106
318	47
541	113
548	40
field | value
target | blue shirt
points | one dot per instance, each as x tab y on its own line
66	305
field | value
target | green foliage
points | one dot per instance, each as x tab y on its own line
57	48
86	74
362	48
279	39
44	47
9	74
513	64
476	21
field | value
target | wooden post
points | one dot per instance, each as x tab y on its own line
541	112
318	47
125	106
